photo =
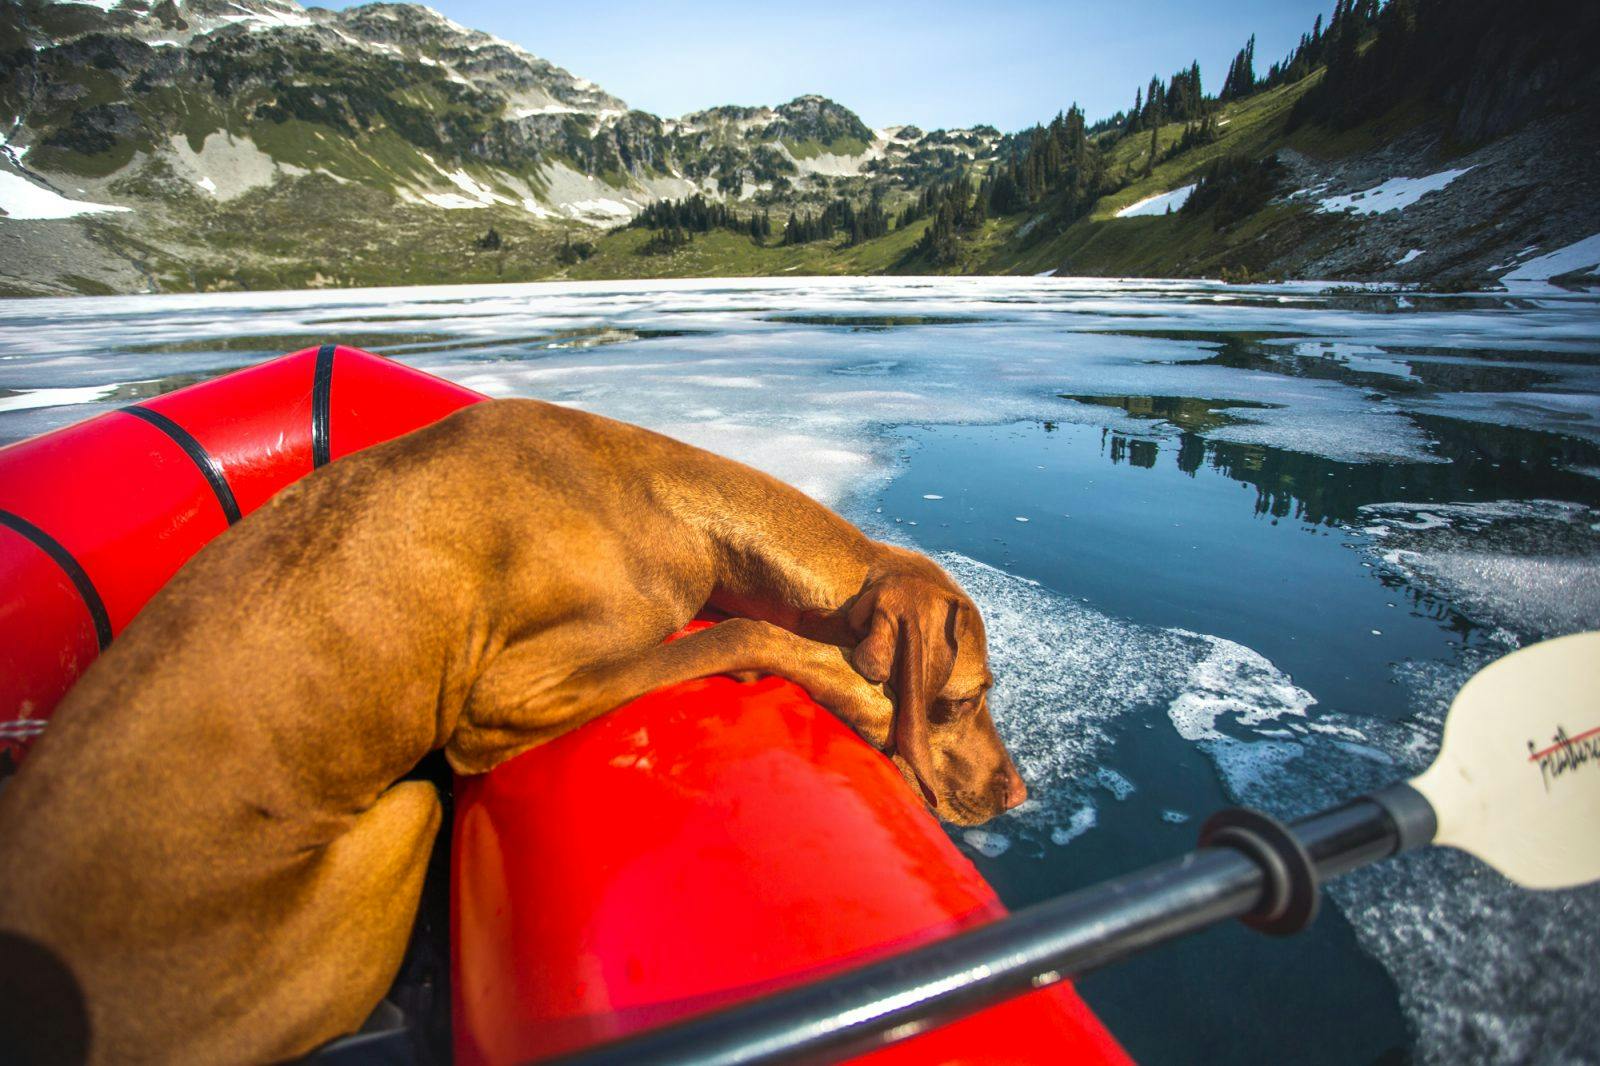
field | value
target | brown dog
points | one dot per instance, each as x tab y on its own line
210	835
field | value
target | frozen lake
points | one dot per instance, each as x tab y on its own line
1234	544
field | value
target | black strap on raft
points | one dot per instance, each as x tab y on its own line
196	451
321	407
70	566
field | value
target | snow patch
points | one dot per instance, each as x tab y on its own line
22	199
1159	204
1579	255
1396	194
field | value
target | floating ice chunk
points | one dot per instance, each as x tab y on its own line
1083	819
1239	683
1119	787
1019	518
59	397
931	496
989	844
1067	673
1158	204
1530	566
1175	817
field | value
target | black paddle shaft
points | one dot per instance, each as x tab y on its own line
1250	871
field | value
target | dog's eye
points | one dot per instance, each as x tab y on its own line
948	710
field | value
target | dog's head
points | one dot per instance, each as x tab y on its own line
922	637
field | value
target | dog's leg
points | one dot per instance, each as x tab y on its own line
510	711
325	969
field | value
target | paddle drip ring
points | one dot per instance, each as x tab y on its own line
1289	891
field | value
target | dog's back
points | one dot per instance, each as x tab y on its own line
205	837
208	837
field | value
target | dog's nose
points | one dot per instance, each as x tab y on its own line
1014	791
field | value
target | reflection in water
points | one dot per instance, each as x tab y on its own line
875	322
1401	370
1486	462
1185	412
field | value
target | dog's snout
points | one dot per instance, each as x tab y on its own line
1013	790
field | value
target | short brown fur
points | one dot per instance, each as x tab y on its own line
211	835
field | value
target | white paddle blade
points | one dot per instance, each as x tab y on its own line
1517	780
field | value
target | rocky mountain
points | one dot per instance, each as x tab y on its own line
163	120
203	144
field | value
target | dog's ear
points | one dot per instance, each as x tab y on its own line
908	637
927	657
877	630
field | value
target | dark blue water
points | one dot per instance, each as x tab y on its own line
1253	544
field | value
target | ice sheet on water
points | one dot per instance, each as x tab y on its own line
1487	972
1531	567
1016	344
1455	936
1066	673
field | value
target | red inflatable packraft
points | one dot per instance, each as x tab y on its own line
705	844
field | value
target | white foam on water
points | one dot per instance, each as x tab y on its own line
1083	819
1067	673
1234	682
1119	787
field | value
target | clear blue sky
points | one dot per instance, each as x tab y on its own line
933	63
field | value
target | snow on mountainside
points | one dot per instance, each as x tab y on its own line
221	97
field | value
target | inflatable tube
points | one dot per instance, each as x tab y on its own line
706	844
95	517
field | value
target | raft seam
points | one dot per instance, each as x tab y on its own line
71	567
321	404
197	452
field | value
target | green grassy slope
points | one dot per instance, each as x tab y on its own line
1175	244
721	253
1097	244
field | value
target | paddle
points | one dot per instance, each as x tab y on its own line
1516	783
